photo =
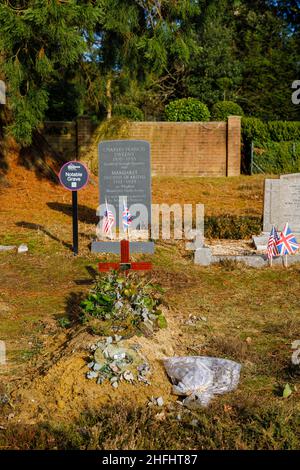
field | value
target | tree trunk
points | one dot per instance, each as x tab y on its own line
109	100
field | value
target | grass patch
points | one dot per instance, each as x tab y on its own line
246	424
232	227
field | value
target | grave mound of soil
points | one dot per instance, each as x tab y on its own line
61	390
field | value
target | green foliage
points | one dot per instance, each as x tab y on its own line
284	130
64	322
278	157
140	43
128	111
253	129
187	109
61	59
287	391
216	72
38	41
221	110
123	303
269	50
231	227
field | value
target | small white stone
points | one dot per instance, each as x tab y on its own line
159	401
22	248
119	356
128	376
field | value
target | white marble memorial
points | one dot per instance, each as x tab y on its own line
281	205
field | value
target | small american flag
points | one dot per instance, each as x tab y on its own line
108	221
287	243
272	244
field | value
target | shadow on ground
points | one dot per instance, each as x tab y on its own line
85	214
3	162
86	282
40	228
37	157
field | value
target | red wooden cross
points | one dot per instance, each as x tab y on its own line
125	263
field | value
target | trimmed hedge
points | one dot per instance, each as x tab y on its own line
129	111
278	157
284	131
222	109
187	109
260	132
277	145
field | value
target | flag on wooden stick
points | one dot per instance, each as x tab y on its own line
287	243
108	220
272	244
126	217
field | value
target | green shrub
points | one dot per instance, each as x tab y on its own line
121	304
284	130
278	157
253	129
187	109
232	227
129	111
221	110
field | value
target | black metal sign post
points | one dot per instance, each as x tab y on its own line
75	221
74	176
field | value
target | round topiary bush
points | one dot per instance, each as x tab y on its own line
187	109
128	111
221	110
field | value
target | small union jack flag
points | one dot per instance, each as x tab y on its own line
272	244
287	243
108	221
126	216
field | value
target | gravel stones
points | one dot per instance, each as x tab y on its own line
115	361
159	401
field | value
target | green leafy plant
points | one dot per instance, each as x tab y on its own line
221	110
287	391
187	109
129	111
64	322
232	227
122	304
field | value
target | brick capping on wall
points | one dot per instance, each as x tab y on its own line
177	148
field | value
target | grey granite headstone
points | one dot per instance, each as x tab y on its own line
125	172
125	177
271	204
